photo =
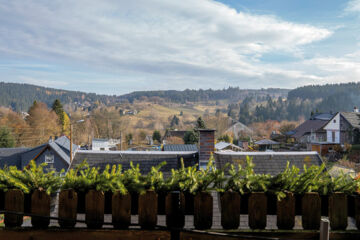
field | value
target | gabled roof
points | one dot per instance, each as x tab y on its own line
353	118
223	145
180	147
146	159
5	152
309	126
268	163
64	142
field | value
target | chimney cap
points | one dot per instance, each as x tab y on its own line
206	130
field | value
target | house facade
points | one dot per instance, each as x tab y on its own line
55	153
343	128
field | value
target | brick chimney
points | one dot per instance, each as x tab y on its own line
207	144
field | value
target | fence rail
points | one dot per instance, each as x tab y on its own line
175	205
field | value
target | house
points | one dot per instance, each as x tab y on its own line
56	153
239	129
267	144
225	146
174	133
343	127
104	144
312	130
149	139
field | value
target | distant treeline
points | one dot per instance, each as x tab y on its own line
231	93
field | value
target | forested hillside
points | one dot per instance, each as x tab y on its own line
20	97
232	94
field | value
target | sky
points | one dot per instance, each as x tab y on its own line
120	46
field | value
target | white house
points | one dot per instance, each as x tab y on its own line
104	144
333	129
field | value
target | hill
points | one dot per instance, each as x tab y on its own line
19	97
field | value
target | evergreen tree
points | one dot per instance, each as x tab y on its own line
59	110
6	139
190	137
174	121
200	124
156	136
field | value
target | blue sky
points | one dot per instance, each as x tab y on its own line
119	46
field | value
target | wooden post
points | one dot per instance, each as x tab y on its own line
67	208
121	210
148	209
230	210
94	209
40	205
324	229
311	211
338	211
203	210
357	210
175	209
285	212
14	201
257	210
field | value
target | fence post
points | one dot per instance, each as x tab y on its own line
324	229
121	210
94	209
148	210
14	201
40	205
257	210
68	208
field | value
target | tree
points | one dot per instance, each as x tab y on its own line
64	120
174	121
6	139
190	137
286	127
200	124
43	123
156	136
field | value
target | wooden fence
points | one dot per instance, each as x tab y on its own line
94	204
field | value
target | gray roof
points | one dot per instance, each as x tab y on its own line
266	142
323	116
6	152
223	145
268	163
180	147
64	142
146	159
308	126
353	118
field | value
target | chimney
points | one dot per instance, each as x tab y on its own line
207	144
50	139
356	109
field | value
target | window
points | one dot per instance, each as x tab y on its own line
333	136
49	158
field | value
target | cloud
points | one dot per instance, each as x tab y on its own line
175	41
353	6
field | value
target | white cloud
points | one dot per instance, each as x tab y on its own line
185	41
353	6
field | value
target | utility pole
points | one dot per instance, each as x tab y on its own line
71	155
120	140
